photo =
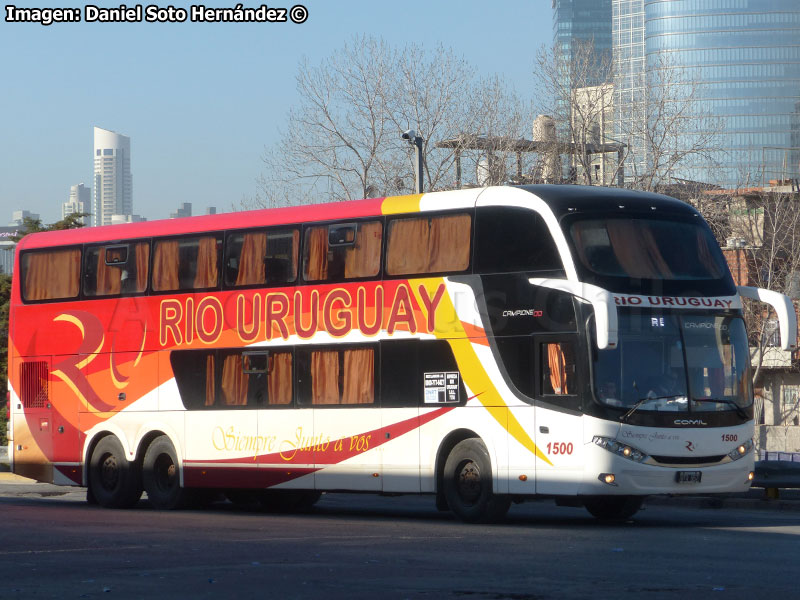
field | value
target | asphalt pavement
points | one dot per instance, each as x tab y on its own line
755	499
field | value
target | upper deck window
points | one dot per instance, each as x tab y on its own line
51	274
429	245
508	239
262	257
116	269
342	251
647	249
186	263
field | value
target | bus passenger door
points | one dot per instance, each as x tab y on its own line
559	423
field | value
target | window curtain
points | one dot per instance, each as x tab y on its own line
206	275
280	378
449	243
108	278
705	255
359	377
558	369
408	247
251	260
142	264
429	245
165	266
636	250
364	258
316	268
234	381
51	275
325	377
210	381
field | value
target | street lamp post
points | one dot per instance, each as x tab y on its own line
412	138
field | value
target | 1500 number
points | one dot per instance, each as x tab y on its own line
730	437
559	448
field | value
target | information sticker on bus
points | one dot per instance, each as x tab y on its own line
688	476
441	388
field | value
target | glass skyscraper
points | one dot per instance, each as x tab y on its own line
744	58
584	20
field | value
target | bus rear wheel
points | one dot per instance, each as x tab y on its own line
114	482
613	508
160	475
467	484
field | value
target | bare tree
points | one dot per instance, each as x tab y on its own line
574	87
674	133
342	140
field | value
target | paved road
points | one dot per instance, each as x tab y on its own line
352	546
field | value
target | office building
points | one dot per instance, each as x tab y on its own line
19	216
585	21
184	211
739	58
79	202
113	182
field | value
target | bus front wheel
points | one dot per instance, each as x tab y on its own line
468	484
613	507
160	475
114	482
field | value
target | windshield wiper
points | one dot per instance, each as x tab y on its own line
739	410
641	401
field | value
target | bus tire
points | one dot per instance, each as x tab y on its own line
114	482
467	484
613	508
160	475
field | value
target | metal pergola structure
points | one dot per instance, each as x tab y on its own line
491	144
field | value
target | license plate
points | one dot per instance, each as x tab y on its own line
688	476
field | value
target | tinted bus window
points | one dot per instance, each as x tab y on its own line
186	263
116	269
342	251
510	239
647	249
330	376
51	274
429	245
261	257
211	379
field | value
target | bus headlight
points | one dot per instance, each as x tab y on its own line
741	450
620	449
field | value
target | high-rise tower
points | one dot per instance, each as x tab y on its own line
113	183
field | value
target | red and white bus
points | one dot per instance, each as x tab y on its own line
482	345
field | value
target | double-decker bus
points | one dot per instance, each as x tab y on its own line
482	346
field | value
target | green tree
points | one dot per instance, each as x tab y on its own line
29	225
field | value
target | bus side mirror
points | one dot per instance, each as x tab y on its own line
784	308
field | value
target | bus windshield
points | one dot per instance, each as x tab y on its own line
647	249
675	363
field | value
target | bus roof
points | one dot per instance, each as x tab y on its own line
198	224
565	199
562	199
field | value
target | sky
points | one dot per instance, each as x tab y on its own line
201	101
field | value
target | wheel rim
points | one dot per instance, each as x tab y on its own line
468	482
165	473
109	473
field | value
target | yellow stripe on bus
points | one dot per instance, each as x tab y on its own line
393	205
476	377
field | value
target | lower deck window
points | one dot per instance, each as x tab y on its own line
342	376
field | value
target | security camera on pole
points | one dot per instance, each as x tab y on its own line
412	138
